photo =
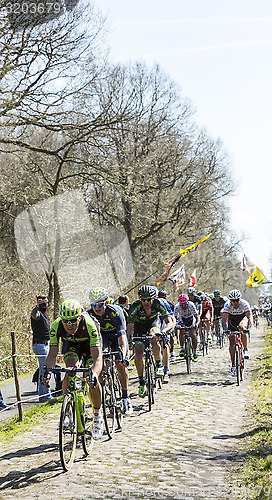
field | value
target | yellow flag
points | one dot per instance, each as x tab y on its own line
188	249
256	278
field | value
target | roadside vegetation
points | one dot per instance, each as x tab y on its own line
255	474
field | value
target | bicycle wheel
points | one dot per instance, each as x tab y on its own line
87	437
150	383
118	398
67	433
187	354
203	339
108	404
237	364
242	364
220	336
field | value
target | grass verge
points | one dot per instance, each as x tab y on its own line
256	471
11	427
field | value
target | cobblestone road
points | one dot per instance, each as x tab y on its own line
186	448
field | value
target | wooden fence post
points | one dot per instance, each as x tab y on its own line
16	377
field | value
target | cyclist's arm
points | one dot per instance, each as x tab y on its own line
169	324
197	317
250	319
96	354
130	330
122	342
52	356
225	316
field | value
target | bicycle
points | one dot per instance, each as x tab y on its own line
152	382
255	320
111	395
239	360
76	415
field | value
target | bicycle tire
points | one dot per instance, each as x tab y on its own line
108	405
67	433
118	398
187	355
150	384
220	336
237	364
87	436
242	365
203	339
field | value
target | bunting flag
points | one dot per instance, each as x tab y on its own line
178	277
257	278
189	249
246	264
193	280
168	268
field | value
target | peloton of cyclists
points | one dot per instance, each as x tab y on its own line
237	315
206	315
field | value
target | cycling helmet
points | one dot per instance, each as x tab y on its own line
98	295
70	309
191	290
204	297
162	294
235	294
200	294
183	298
217	293
156	291
146	291
110	300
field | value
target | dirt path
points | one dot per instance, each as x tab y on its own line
184	449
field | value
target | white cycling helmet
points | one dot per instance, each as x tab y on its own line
235	294
98	295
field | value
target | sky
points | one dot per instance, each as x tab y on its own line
219	54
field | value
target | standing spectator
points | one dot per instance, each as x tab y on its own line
40	325
2	404
123	301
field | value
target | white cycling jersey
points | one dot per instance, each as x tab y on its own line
185	313
242	308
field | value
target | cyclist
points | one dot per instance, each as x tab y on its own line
236	314
255	315
186	314
207	314
80	337
144	318
165	343
113	331
218	303
163	295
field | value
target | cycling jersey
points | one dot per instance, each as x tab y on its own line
207	306
181	313
112	322
86	332
235	316
217	306
197	301
137	313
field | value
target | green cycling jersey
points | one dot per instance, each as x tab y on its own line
138	314
86	331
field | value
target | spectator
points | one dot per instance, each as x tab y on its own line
40	325
123	301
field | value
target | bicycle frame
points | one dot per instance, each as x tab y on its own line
151	380
238	356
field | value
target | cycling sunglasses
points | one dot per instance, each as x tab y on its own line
147	299
73	320
99	304
234	300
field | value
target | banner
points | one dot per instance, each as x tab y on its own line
189	249
178	277
256	278
246	264
168	268
193	280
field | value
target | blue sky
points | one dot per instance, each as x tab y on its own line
219	54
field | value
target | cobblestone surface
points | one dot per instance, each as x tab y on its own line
187	447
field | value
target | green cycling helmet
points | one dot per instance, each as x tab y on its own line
146	291
70	309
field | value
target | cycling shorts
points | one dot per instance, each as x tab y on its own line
110	341
144	328
191	321
77	350
204	313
